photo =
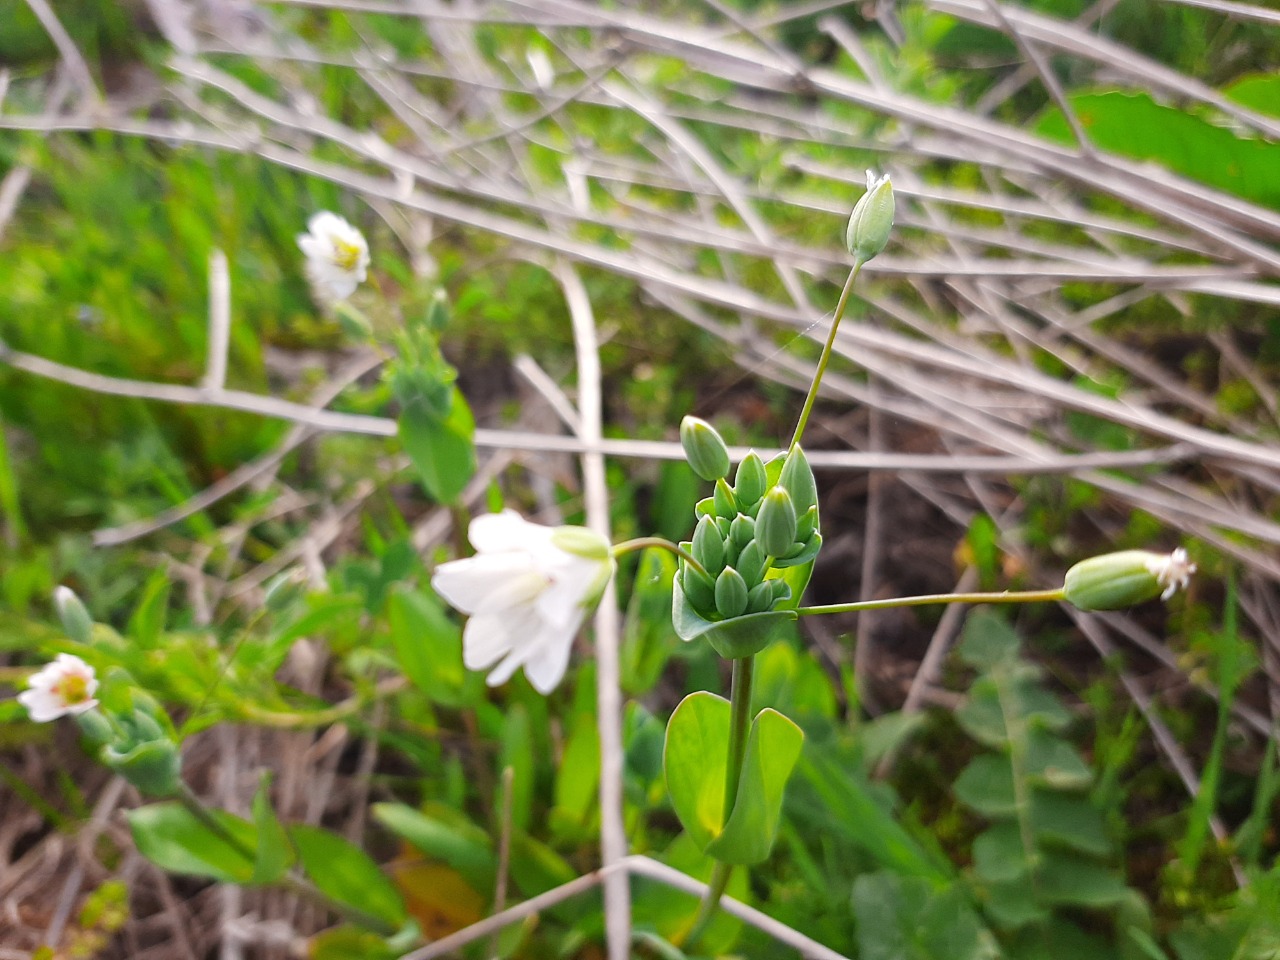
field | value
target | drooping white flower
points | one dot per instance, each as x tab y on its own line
337	256
526	591
1172	572
65	686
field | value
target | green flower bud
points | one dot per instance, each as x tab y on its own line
706	507
1116	580
708	546
760	597
741	532
731	593
581	542
95	726
797	478
776	522
781	591
154	767
699	590
724	525
750	481
75	618
726	505
872	219
704	449
751	563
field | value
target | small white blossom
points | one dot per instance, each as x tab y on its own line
526	591
65	686
1172	572
337	256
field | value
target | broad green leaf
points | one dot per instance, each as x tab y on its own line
793	683
349	943
773	747
275	854
1068	820
908	918
464	847
1072	880
986	785
1134	125
1260	92
428	647
999	855
442	449
694	760
988	641
172	838
732	639
1013	905
346	873
1055	762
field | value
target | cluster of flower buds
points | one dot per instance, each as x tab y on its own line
767	520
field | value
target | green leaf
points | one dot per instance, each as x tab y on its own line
908	918
1071	880
773	747
1134	125
347	874
1260	92
442	449
349	943
147	622
428	647
1055	763
462	846
172	838
732	639
578	779
986	785
1068	820
275	854
988	641
695	759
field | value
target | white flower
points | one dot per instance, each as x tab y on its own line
337	256
1172	572
526	590
65	686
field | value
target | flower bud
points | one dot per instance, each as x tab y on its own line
154	767
776	522
75	618
95	726
872	219
741	532
726	505
797	477
751	563
704	449
581	542
781	591
1116	580
699	590
731	593
708	546
750	481
706	507
760	597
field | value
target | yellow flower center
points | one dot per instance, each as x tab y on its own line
345	255
72	689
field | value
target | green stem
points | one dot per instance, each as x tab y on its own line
641	543
1017	596
826	354
739	727
195	806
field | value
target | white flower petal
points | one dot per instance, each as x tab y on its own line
506	531
487	639
545	668
488	584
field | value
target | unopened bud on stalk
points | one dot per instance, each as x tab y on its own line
797	477
776	522
872	219
1116	580
750	480
708	546
75	618
731	593
704	449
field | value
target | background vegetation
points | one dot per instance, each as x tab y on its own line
1070	346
